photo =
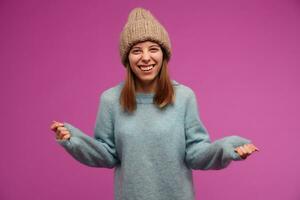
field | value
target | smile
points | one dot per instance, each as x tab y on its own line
146	67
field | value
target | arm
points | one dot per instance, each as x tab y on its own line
201	153
97	151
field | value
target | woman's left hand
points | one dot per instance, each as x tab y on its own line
245	150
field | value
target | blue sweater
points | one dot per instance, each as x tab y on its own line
152	151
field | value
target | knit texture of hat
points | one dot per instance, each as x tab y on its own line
143	26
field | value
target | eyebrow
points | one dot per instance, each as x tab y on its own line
154	45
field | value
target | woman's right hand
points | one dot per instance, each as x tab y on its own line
62	132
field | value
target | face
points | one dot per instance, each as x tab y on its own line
145	59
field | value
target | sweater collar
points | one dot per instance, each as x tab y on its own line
146	98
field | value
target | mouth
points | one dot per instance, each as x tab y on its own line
146	68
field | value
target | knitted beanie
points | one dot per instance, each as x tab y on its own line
142	26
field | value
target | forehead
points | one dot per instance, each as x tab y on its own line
145	44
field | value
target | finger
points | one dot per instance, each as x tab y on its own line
245	152
243	149
239	151
60	124
55	125
62	128
243	155
66	137
248	149
250	146
254	148
61	136
63	133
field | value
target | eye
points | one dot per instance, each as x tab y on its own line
135	51
154	49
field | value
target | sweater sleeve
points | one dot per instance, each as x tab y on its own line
97	151
201	153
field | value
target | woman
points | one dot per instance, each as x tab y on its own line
147	127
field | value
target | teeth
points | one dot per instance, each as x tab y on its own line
146	68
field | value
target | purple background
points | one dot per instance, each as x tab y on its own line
240	57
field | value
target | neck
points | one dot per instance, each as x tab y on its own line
146	87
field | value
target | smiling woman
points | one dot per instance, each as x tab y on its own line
148	127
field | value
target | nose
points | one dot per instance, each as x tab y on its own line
146	57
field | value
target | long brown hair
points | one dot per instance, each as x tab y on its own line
164	93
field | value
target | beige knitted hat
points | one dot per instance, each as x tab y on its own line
142	26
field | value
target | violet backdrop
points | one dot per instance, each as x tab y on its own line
240	57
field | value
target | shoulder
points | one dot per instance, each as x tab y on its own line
111	94
183	91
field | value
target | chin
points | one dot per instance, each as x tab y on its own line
147	79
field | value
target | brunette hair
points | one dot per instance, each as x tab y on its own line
164	93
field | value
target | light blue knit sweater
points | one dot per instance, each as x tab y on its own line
152	151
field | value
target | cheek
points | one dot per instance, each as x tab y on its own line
158	68
132	64
134	69
158	57
133	59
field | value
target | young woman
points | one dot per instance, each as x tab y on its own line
147	127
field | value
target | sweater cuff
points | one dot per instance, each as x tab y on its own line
232	142
74	133
73	130
65	143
